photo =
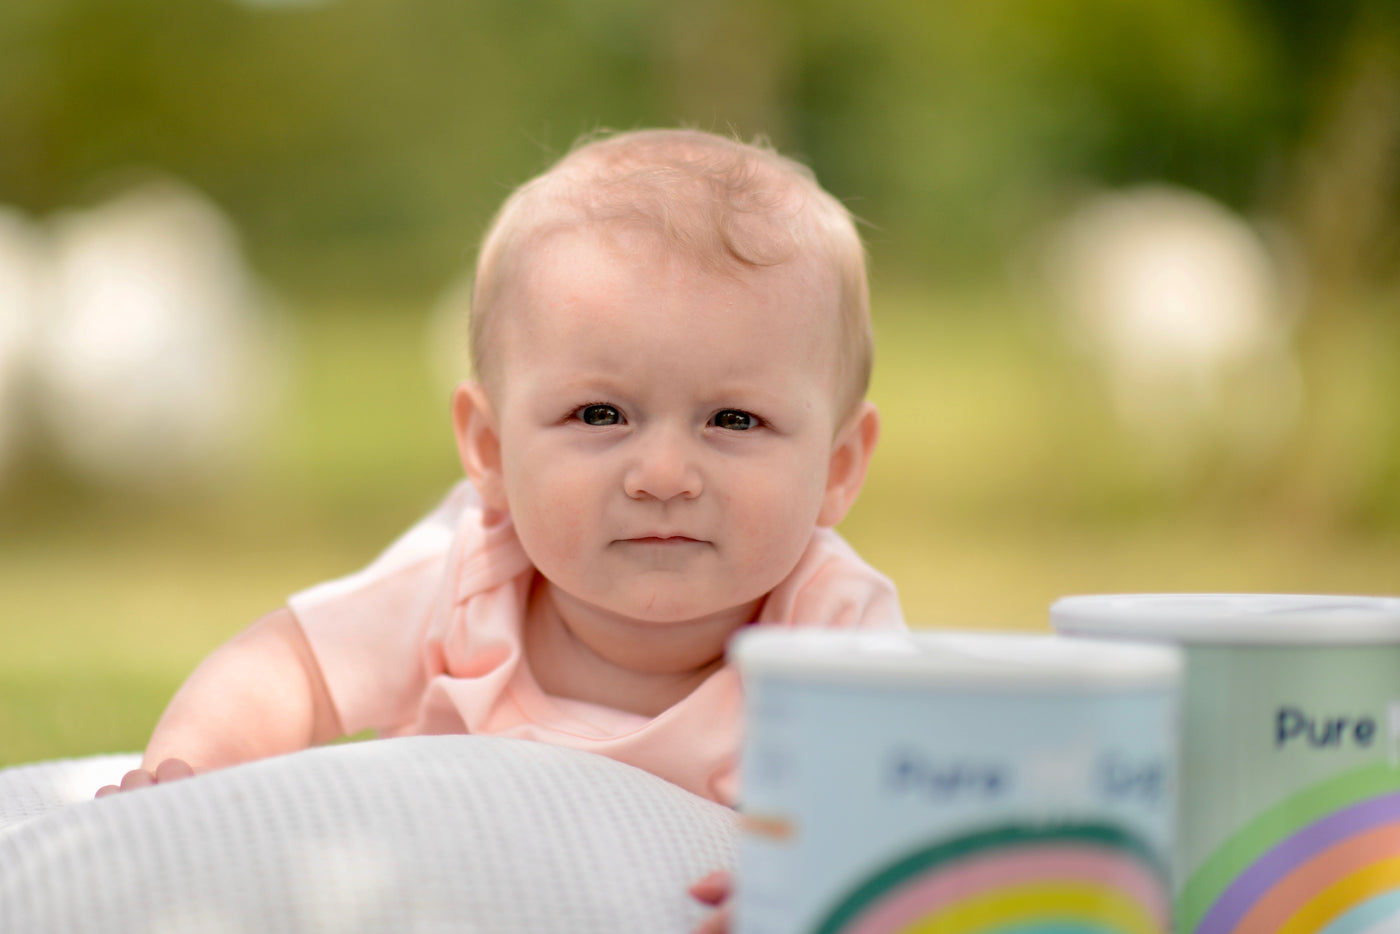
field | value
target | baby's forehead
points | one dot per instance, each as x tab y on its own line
591	299
571	260
663	200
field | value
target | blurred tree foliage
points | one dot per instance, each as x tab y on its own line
362	144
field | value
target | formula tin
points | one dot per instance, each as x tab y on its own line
955	783
1290	788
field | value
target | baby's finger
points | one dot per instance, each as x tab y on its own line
714	888
106	790
173	770
137	778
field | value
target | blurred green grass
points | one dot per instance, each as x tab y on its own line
1001	483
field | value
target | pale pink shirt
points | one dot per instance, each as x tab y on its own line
427	639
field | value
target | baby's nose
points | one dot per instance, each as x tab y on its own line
665	468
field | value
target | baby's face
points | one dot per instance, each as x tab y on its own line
665	431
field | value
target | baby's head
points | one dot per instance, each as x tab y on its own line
671	340
726	206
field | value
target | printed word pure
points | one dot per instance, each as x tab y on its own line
913	773
1295	726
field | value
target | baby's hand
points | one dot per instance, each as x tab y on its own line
715	889
168	771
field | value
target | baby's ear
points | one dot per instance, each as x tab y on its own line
479	445
850	456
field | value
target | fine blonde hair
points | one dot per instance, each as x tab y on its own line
721	202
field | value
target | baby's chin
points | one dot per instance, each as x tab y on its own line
671	611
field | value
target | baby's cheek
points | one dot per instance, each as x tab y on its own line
561	527
773	541
547	518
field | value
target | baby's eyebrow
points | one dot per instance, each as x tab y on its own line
588	385
749	391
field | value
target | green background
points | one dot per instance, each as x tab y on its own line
360	146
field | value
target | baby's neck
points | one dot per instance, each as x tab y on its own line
578	652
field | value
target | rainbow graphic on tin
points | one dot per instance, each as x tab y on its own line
1056	879
1325	860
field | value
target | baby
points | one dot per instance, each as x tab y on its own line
671	347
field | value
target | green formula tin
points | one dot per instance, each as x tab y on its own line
959	783
1290	757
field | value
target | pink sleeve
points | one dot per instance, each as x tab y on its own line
367	630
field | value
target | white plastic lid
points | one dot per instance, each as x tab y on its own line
963	659
1238	619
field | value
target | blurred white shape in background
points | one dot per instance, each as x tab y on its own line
22	264
1184	308
153	357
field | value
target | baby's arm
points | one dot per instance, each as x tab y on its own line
260	694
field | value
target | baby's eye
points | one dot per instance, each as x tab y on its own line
599	414
734	420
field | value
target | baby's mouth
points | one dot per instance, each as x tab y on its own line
661	540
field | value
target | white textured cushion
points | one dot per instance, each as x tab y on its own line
446	833
29	791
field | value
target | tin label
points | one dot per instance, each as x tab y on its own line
1291	790
873	810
